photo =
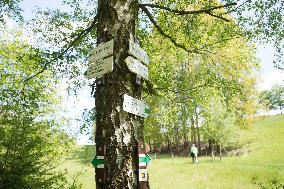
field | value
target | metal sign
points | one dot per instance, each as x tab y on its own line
143	175
135	106
136	51
137	67
98	162
99	68
103	50
144	159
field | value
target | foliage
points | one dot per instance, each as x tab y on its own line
31	140
273	98
216	86
11	9
263	21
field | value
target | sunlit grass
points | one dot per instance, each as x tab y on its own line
264	163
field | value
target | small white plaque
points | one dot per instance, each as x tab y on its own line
143	175
135	106
136	51
137	67
103	50
99	68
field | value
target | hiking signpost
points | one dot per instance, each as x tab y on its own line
101	62
135	106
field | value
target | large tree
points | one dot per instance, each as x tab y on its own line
117	130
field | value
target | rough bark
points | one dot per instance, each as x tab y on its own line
118	131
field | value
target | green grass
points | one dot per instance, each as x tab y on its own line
263	164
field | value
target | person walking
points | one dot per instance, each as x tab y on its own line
194	153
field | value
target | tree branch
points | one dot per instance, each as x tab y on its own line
79	36
235	9
218	16
183	12
171	38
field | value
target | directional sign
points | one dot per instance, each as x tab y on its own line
98	162
135	106
103	50
137	67
144	159
138	52
99	68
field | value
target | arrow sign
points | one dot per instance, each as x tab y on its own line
137	67
98	161
103	50
135	106
136	51
144	159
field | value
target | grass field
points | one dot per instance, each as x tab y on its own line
262	167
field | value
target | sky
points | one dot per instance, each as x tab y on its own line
268	75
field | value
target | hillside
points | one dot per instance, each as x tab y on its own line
261	166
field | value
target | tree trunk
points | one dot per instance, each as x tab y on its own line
212	153
149	142
198	131
117	132
168	144
220	151
193	130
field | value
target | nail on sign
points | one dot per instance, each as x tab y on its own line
103	50
137	67
135	106
138	52
99	68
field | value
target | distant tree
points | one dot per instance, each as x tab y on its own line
273	99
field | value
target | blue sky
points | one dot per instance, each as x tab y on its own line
268	76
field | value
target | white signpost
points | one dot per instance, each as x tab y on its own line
103	50
135	106
99	68
137	67
138	52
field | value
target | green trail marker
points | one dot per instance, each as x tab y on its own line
144	159
97	161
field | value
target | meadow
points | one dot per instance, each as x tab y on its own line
261	165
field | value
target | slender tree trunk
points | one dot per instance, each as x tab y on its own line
212	153
154	149
117	132
193	130
220	151
149	142
168	143
198	131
